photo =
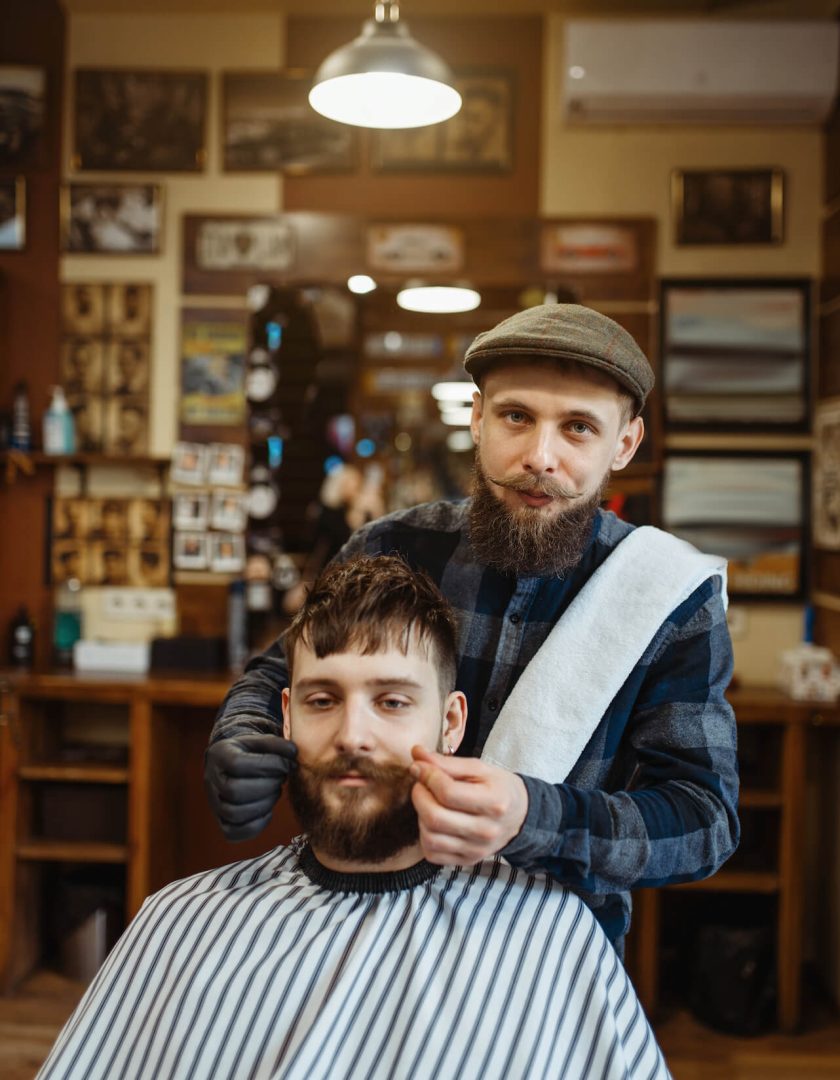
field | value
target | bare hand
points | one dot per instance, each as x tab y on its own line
468	810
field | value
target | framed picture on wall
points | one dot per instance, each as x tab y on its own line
750	508
478	138
22	110
111	219
735	354
728	206
12	213
268	125
826	488
139	121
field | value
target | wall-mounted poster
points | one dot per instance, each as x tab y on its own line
735	353
111	219
268	125
22	108
588	249
826	488
415	249
12	213
749	508
728	206
212	369
264	244
142	121
478	138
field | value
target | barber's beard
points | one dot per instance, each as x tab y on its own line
369	823
529	542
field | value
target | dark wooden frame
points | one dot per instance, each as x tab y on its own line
704	215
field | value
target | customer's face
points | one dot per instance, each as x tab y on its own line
355	718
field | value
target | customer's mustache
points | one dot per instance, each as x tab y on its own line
383	772
532	484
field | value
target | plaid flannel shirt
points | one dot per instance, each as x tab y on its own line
653	797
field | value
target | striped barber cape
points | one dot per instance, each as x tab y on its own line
279	967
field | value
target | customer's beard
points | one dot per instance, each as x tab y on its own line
361	824
529	542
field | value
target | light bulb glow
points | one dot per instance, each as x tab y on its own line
361	284
457	417
438	299
459	441
453	391
385	99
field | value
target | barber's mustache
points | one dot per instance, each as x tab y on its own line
532	484
382	772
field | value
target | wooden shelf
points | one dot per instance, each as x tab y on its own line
75	773
734	881
71	851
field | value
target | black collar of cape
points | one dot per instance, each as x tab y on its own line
367	882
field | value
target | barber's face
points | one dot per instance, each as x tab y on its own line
547	438
355	718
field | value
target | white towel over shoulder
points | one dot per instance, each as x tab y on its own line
563	693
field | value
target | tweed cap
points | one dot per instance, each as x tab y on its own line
568	332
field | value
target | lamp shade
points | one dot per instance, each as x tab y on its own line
384	79
438	299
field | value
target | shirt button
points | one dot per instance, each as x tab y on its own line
516	618
492	704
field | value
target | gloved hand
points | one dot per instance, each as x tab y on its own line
243	775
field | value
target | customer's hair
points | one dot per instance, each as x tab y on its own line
371	603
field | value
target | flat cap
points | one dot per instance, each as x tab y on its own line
568	332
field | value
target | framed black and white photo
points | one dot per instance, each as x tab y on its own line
736	353
148	566
22	114
12	213
111	219
127	367
227	553
130	309
82	366
148	520
127	426
268	125
229	511
190	510
226	464
751	508
191	551
83	308
478	138
189	463
139	121
728	206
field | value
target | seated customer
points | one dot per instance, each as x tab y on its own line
346	954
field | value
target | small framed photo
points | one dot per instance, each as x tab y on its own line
108	563
130	310
148	566
417	249
81	366
477	139
83	308
227	553
229	511
12	213
127	367
69	519
127	426
108	520
189	463
148	520
728	206
68	562
226	464
588	248
111	219
22	107
139	121
268	125
88	419
190	511
191	551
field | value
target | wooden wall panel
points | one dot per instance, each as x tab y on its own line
467	44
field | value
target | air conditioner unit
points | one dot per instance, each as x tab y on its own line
640	71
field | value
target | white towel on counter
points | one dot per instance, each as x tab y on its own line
563	693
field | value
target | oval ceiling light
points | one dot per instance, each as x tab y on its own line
453	391
438	299
384	79
361	284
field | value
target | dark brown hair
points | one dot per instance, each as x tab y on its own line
373	602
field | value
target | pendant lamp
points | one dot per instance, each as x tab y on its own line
384	79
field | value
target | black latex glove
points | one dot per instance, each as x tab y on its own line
243	775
